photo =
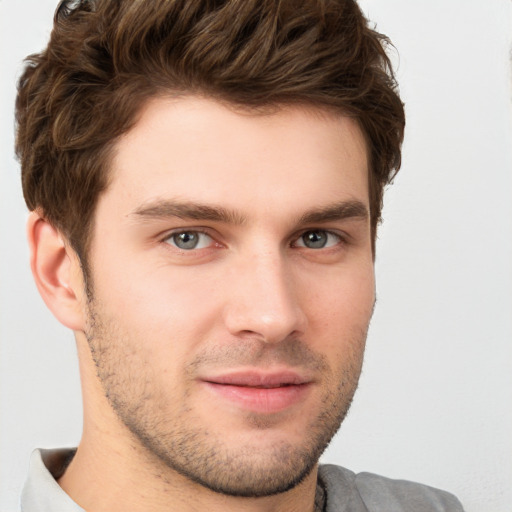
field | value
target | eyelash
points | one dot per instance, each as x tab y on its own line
341	239
338	236
169	236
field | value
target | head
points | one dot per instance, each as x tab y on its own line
217	168
107	58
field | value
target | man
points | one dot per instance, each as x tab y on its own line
205	181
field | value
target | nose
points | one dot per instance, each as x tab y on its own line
263	300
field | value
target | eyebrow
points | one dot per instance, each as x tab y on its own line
162	209
338	211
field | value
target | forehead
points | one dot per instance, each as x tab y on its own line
201	150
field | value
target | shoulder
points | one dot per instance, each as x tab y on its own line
369	492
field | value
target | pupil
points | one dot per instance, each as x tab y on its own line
315	239
186	240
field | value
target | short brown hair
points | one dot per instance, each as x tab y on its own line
106	58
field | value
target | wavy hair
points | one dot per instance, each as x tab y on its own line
106	58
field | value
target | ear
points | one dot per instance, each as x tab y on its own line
57	272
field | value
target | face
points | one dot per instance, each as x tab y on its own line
232	287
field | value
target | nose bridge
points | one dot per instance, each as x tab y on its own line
264	300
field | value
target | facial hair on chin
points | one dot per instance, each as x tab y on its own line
171	432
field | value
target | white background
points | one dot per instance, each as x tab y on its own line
435	400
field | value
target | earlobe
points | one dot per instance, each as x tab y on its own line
57	273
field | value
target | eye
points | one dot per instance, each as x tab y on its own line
318	239
189	240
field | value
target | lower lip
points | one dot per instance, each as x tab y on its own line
261	400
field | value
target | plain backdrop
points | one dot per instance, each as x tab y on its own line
435	399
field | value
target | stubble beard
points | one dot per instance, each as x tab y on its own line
180	443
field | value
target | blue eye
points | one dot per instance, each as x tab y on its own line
318	239
189	240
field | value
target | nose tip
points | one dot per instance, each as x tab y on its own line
265	304
265	321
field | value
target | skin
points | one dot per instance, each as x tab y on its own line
279	288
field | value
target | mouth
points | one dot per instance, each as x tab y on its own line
261	392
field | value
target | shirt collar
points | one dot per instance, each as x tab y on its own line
41	492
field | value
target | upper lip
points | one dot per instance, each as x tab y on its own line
257	378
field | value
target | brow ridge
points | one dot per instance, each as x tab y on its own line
161	209
353	209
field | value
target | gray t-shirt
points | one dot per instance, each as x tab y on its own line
343	490
346	491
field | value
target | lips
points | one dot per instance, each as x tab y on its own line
260	392
260	379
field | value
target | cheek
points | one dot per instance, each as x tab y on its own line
167	312
342	300
340	311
